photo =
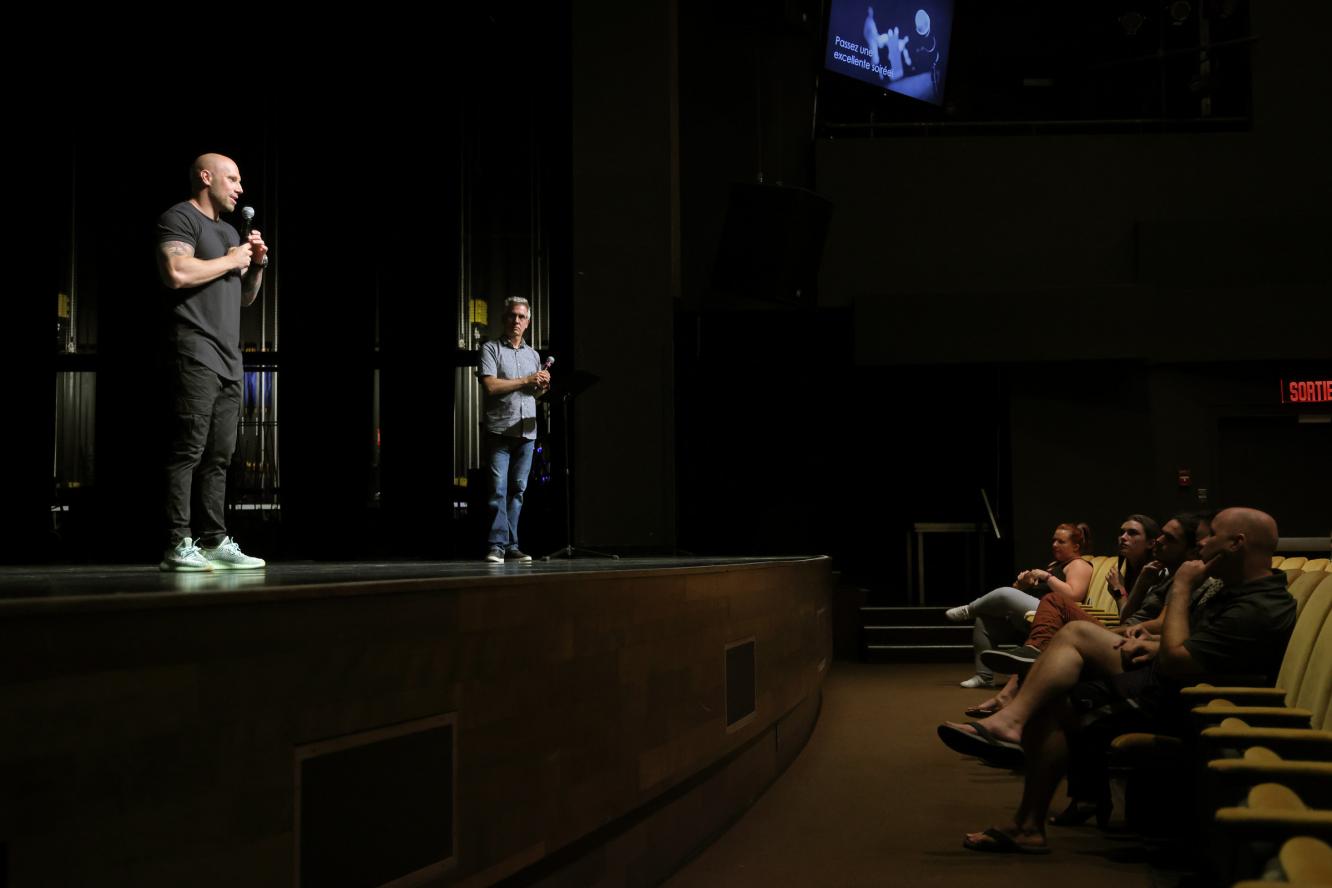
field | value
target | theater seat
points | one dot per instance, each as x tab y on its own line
1149	762
1230	779
1109	619
1305	584
1302	860
1294	562
1274	812
1310	687
1097	595
1314	693
1314	564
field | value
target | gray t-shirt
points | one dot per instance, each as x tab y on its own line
205	321
512	413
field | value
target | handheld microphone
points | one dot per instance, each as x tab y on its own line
247	216
545	365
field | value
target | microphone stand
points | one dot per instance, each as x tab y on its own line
579	382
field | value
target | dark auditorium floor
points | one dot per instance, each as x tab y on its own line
876	799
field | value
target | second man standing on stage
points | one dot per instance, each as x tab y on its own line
511	375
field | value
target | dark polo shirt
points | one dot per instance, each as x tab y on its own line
1243	630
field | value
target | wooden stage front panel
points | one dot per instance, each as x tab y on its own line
158	735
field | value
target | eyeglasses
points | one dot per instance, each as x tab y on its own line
514	314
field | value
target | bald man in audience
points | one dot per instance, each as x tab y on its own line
1239	628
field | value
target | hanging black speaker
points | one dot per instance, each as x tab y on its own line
772	244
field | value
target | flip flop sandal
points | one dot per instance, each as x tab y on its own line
983	745
1000	842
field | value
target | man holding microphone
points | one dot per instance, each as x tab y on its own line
512	376
211	272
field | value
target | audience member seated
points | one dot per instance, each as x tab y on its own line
1091	684
1145	605
1135	540
1000	614
1175	544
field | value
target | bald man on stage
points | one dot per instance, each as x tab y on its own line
210	271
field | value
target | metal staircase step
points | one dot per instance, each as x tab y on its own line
912	635
917	653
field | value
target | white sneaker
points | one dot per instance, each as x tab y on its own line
185	556
959	614
976	682
228	556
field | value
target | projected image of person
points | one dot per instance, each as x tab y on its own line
896	46
873	39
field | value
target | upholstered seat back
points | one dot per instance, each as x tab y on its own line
1299	650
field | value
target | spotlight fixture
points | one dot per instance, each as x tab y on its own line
1179	12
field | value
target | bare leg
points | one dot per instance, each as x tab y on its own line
1046	747
1004	697
1078	651
1045	742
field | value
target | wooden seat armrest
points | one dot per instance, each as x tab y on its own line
1153	751
1251	735
1310	780
1240	695
1254	716
1272	772
1274	824
1289	743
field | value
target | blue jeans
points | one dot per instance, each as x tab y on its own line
1001	618
510	464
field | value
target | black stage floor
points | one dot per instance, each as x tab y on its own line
19	585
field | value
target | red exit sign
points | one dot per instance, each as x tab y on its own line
1306	391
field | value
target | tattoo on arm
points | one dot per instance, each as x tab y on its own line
177	248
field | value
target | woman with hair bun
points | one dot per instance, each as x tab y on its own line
1000	614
